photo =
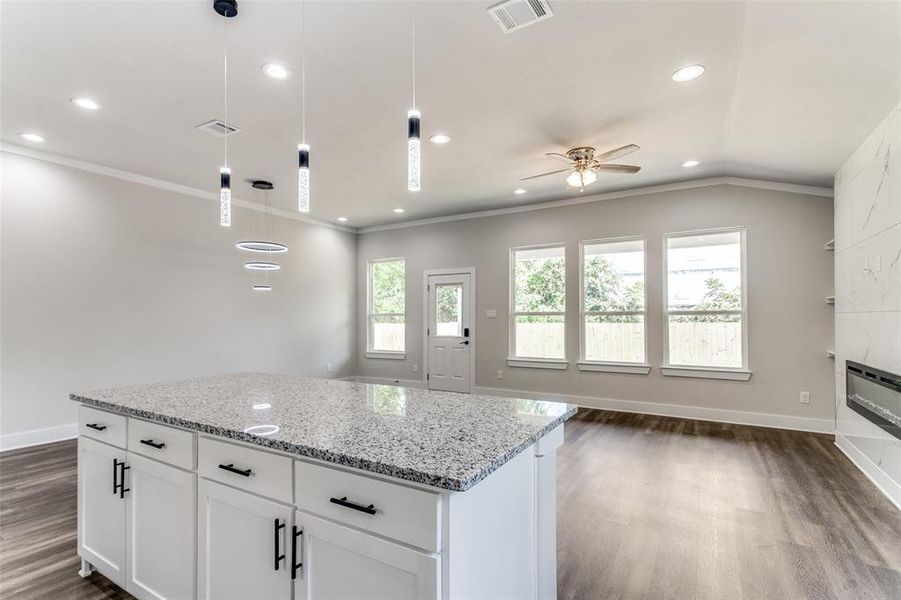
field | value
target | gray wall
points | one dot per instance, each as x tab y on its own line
108	282
789	276
868	290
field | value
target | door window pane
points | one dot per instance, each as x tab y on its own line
449	309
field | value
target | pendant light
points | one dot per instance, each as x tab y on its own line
262	232
303	149
413	128
227	9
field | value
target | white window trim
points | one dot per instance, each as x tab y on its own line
375	352
642	368
532	362
742	373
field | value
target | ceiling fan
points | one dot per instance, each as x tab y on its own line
584	166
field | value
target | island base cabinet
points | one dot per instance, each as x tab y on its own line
243	543
101	508
161	534
347	564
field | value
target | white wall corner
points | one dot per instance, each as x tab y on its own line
34	437
890	488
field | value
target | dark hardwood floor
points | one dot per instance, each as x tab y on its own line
649	507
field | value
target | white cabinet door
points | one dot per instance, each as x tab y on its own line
161	536
240	538
346	564
101	508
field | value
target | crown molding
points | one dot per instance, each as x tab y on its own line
793	188
159	183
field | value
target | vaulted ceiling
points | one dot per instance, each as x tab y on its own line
789	91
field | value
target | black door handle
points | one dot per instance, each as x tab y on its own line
464	342
115	476
277	527
119	469
96	426
122	488
230	467
295	564
153	444
369	510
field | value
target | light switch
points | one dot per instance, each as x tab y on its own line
491	313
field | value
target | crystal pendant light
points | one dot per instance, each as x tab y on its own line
227	9
414	159
303	149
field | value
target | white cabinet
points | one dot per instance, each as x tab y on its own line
101	508
243	545
346	564
160	538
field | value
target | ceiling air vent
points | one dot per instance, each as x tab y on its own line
516	14
218	128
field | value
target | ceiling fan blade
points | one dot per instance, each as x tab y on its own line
616	153
558	155
544	174
617	168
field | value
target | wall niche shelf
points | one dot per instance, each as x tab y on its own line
830	246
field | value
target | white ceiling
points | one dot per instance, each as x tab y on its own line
790	90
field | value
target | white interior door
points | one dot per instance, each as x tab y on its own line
449	329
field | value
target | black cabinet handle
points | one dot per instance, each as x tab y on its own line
119	469
230	467
369	510
153	444
277	527
295	564
96	426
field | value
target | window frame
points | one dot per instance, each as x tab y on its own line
372	352
584	363
742	373
513	359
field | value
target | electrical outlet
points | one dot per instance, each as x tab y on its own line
805	397
328	368
416	367
491	313
500	374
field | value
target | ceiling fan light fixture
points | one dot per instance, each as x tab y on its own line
581	178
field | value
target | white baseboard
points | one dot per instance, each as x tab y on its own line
891	489
719	415
34	437
414	383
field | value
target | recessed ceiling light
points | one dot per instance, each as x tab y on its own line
519	191
276	71
439	138
691	163
31	137
398	210
342	219
85	103
688	73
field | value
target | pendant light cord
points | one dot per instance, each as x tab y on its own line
303	72
413	53
225	91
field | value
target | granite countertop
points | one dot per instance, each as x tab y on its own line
442	439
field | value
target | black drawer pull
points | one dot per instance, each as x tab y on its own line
153	444
96	426
230	467
369	510
119	469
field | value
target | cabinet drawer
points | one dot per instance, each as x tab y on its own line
174	446
395	511
101	425
256	471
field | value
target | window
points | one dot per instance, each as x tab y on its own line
387	315
538	302
613	301
706	299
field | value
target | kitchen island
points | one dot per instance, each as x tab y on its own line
269	486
